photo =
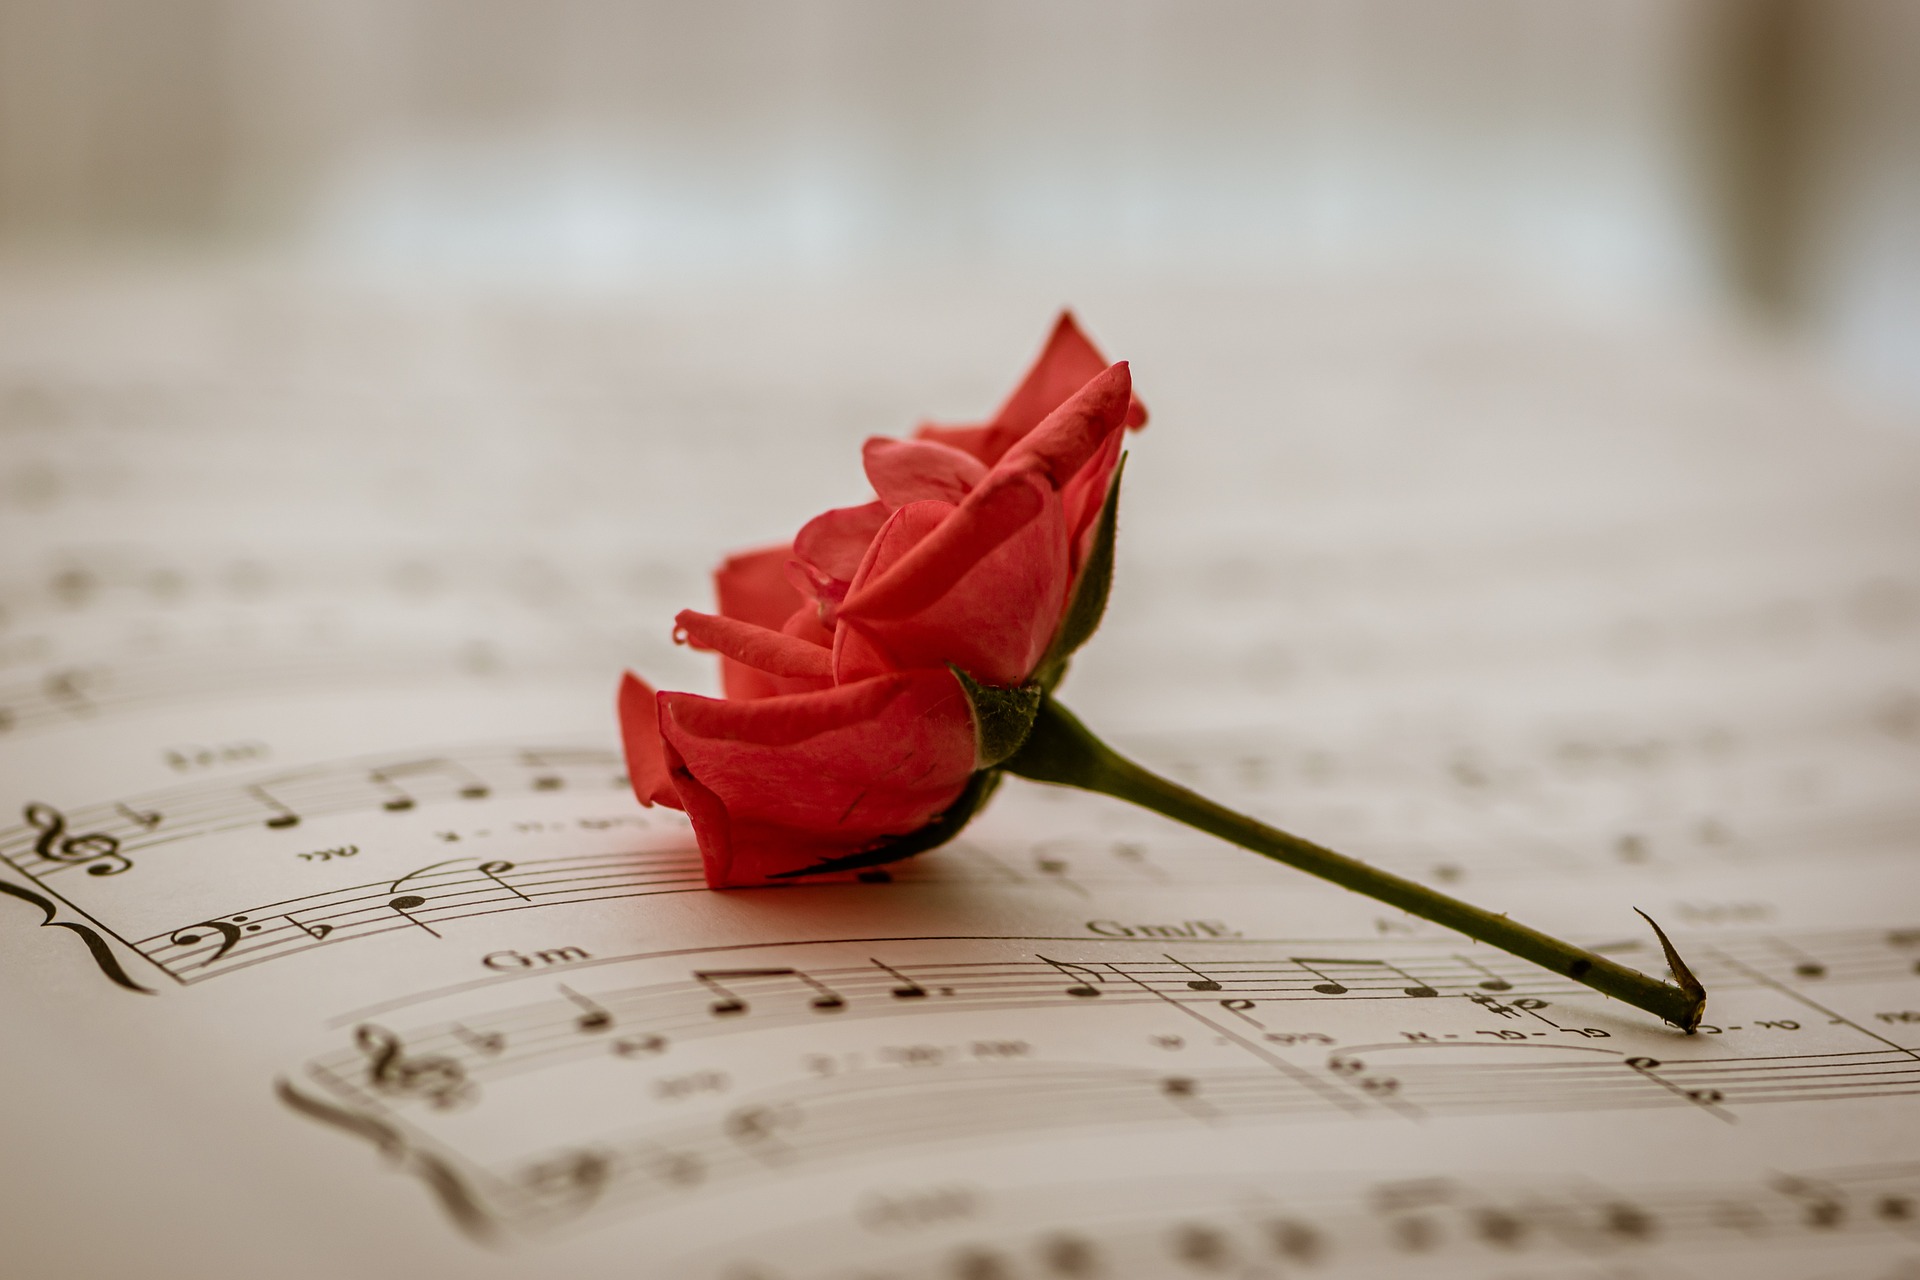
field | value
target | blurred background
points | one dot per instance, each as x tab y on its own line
1753	158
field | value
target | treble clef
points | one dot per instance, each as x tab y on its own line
98	850
440	1080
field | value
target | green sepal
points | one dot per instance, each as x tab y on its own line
1089	603
1002	718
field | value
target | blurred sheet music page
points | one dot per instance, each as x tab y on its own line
359	957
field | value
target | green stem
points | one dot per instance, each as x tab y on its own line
1060	750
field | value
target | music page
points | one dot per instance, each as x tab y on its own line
335	942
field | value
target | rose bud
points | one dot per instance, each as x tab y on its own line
866	664
885	669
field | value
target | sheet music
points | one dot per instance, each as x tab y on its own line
334	940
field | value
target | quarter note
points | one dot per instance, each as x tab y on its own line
594	1016
908	988
399	800
1804	965
1414	986
1492	982
543	779
824	999
1199	981
1081	988
406	904
726	1004
283	817
1326	986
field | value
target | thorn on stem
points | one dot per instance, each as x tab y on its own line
1682	975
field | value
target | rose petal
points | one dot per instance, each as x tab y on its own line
855	654
805	625
782	783
647	769
980	441
834	542
994	512
753	587
1074	432
773	652
1083	495
987	600
904	471
1065	364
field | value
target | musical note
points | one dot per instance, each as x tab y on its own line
757	1128
438	1079
1326	986
573	1181
68	688
1200	981
96	850
1492	982
729	1002
908	988
594	1016
283	817
406	904
146	820
468	785
488	1042
1821	1207
1329	986
1626	1220
1905	938
824	1000
1804	965
543	780
726	1003
317	932
1082	988
640	1046
399	800
1414	987
494	870
1706	1099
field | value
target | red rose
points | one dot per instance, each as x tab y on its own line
845	727
886	668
